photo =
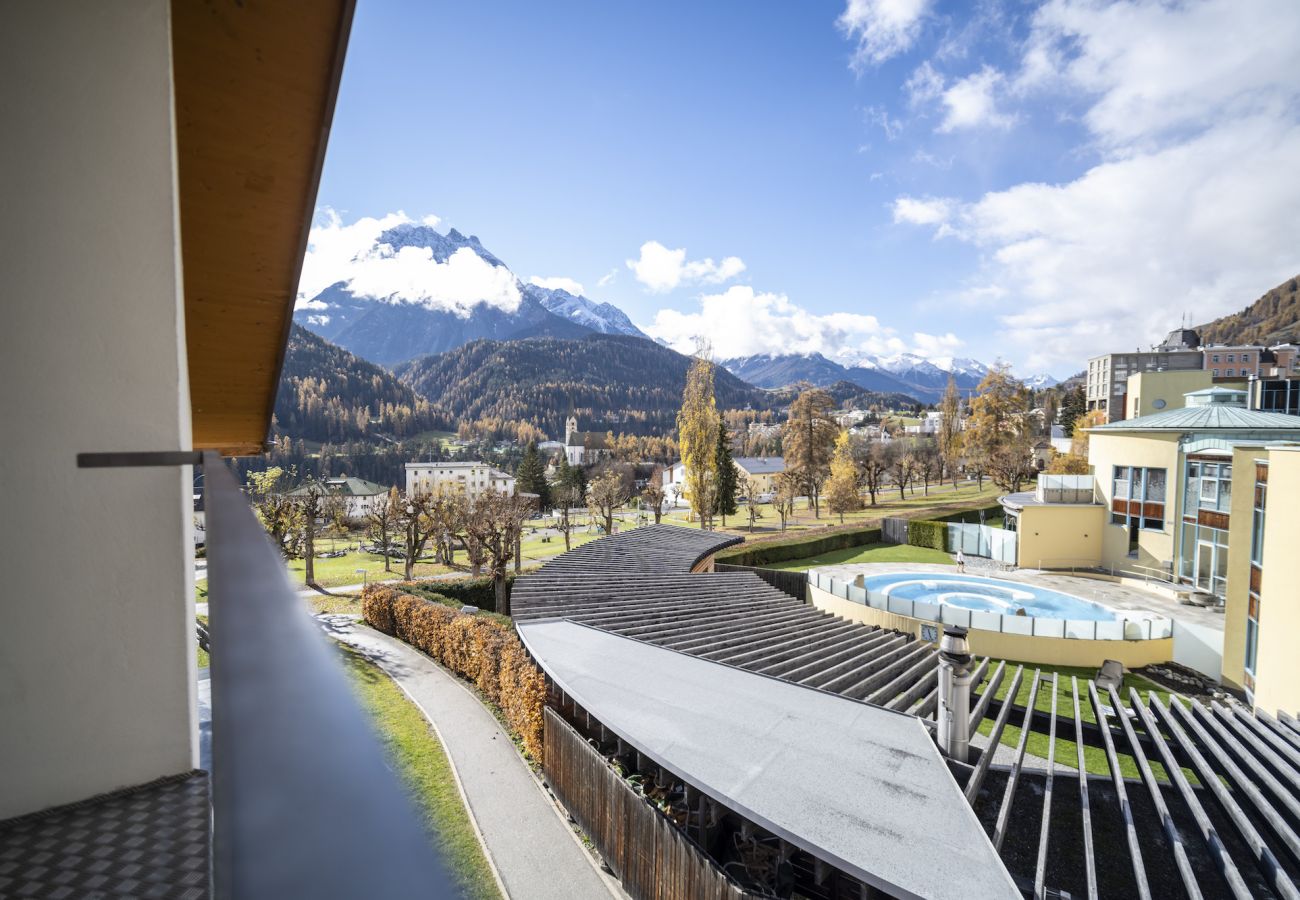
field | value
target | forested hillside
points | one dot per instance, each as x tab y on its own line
610	382
327	394
1272	319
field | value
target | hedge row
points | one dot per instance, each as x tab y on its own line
767	552
925	533
477	648
478	592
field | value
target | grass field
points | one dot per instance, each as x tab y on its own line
870	553
420	761
1066	752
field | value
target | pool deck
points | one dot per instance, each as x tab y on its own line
1113	594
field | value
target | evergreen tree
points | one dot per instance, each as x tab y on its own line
1073	405
531	476
724	503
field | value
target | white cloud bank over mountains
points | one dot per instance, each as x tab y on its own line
353	255
1192	111
743	322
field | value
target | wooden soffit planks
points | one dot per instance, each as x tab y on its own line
255	85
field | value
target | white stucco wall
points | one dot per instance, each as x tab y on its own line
97	644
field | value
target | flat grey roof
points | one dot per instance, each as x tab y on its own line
860	787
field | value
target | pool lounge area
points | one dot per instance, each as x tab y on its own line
1010	619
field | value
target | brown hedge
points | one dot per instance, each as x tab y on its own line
476	648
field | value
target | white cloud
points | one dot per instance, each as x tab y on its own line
318	320
743	322
558	283
882	28
352	254
431	221
970	103
924	85
935	345
608	278
1192	112
923	211
661	269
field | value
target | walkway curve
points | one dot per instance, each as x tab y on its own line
529	843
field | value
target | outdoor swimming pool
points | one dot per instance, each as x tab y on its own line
994	595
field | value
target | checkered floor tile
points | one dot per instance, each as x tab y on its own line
151	842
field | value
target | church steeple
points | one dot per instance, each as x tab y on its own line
570	426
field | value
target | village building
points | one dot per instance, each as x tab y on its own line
582	448
469	478
358	497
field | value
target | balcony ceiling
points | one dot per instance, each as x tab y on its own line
255	86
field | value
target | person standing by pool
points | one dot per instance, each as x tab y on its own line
961	560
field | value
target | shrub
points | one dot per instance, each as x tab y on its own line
925	533
767	552
478	592
478	648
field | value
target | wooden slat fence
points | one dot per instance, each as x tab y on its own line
793	583
894	530
651	857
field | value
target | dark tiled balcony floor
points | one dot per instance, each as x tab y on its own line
153	841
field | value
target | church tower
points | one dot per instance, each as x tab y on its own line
570	426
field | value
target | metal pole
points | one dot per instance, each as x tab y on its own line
955	676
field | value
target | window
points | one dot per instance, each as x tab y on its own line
1216	358
1228	373
1216	373
1245	357
1138	499
1229	358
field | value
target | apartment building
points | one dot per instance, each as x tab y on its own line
469	478
1107	377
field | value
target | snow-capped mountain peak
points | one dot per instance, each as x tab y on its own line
603	317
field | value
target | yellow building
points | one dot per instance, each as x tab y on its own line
761	471
1263	585
1202	496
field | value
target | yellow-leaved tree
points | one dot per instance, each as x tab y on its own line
697	435
842	488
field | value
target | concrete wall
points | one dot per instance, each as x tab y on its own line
1060	535
1019	647
1159	451
1145	389
1277	668
97	644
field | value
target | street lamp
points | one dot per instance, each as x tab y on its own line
362	573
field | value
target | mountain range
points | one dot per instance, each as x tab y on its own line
905	373
1272	319
389	331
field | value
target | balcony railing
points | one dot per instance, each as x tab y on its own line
304	802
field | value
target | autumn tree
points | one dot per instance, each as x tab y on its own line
1067	464
605	494
653	493
842	488
724	500
900	466
697	430
277	511
1079	439
316	506
751	508
999	437
949	437
808	439
566	495
381	521
927	462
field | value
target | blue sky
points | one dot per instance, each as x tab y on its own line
1031	182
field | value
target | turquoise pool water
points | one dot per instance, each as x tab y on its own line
988	595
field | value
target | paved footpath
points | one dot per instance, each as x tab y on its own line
533	849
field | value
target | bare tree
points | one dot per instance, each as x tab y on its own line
380	522
927	462
872	460
787	488
604	495
900	467
417	523
317	507
653	494
566	495
749	488
495	521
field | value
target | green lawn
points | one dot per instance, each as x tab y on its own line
868	553
343	570
1066	752
422	764
203	654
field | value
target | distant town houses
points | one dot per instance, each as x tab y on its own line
469	478
1269	373
357	496
583	448
762	472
